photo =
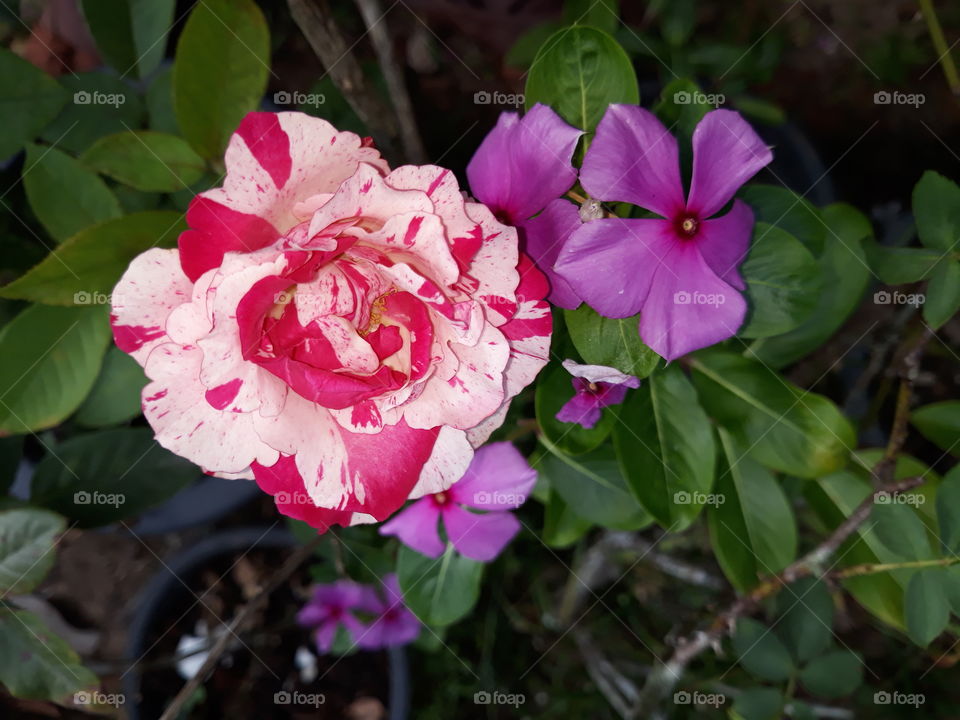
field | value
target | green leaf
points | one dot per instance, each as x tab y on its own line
760	651
115	397
682	105
786	428
101	104
26	548
788	211
65	196
845	277
609	341
926	606
159	98
943	293
29	98
601	14
561	525
130	33
554	389
936	210
579	71
666	449
952	588
940	424
783	283
591	484
440	590
220	71
759	704
36	664
948	511
900	265
49	360
806	618
524	50
833	675
900	529
102	477
146	160
678	18
753	531
84	269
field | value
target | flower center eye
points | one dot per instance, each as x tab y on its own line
687	225
593	387
440	498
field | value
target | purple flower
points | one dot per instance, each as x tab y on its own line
497	480
394	623
596	387
521	169
332	605
679	271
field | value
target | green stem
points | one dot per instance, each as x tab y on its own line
873	568
940	45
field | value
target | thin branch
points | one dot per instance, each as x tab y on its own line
237	626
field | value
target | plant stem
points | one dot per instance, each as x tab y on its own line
940	46
873	568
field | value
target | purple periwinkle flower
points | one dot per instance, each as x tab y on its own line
498	480
520	170
679	271
595	387
333	605
393	623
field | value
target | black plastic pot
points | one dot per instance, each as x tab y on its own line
156	598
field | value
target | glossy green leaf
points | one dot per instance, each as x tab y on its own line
592	485
926	606
753	531
759	703
786	210
102	477
220	71
940	424
786	428
760	652
146	160
845	277
65	196
29	98
833	675
666	448
99	104
130	34
805	609
948	511
783	283
936	211
440	590
159	100
115	397
900	265
579	71
84	269
943	293
561	525
900	529
27	538
49	360
36	664
554	389
610	341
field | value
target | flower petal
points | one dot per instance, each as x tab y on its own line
480	537
689	307
724	241
416	527
634	159
610	263
499	477
726	153
600	373
544	236
582	409
525	163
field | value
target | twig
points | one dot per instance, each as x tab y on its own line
940	46
237	625
375	21
316	22
873	568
